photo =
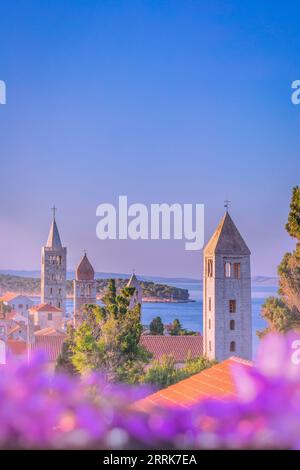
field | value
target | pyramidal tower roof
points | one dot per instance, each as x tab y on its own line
133	281
85	271
227	239
53	237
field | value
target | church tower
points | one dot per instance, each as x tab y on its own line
84	288
54	270
227	323
138	293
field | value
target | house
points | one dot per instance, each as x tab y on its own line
180	347
49	345
17	302
46	315
216	382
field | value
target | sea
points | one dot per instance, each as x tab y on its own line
190	313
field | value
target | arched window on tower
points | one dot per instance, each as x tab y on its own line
227	269
232	346
209	268
232	324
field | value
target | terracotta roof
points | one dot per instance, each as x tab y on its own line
17	347
49	332
45	308
14	329
50	345
85	271
179	346
9	296
227	239
215	382
53	237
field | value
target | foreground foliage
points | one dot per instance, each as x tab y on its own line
39	410
282	313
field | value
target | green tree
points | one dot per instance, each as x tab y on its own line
176	328
163	372
282	313
157	326
293	224
4	309
108	338
196	365
64	360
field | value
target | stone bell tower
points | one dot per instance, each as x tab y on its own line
54	270
227	322
136	298
84	288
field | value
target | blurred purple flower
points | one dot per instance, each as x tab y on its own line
43	410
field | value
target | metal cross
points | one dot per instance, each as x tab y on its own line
54	209
227	204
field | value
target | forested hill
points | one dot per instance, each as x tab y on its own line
151	290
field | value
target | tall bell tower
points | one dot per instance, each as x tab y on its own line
54	269
227	320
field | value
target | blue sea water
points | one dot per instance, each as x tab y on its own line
190	314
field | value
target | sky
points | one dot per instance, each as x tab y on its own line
163	101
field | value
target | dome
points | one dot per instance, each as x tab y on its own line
85	271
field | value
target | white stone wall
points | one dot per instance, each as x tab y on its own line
53	277
41	319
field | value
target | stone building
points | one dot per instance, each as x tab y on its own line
227	322
54	270
138	293
19	303
46	316
84	288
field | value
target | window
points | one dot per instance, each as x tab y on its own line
59	260
50	316
232	325
209	346
209	324
232	306
209	304
227	269
209	268
51	290
59	291
237	270
20	305
232	346
58	304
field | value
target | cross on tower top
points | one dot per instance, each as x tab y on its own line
227	204
54	209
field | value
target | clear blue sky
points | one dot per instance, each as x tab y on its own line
164	101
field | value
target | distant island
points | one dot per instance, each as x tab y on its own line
152	292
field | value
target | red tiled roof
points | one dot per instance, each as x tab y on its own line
17	347
45	308
215	382
179	346
8	296
50	345
49	331
14	328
